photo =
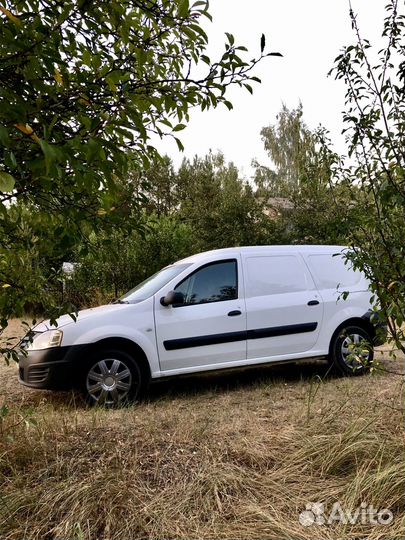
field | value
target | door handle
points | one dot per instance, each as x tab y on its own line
234	313
313	303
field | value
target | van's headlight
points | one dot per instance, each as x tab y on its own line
46	340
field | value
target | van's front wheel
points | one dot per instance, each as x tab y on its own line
351	350
112	378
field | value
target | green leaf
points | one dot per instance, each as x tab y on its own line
4	411
184	8
86	57
179	144
179	127
112	86
49	153
230	37
7	182
4	138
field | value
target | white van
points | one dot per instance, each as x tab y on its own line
220	309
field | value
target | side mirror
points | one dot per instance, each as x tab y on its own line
172	297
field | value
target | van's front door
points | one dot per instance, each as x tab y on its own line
209	328
284	308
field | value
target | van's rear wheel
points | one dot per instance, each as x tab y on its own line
112	378
351	350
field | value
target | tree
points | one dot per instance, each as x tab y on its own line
198	192
240	219
221	207
84	84
303	175
290	145
119	259
159	184
374	173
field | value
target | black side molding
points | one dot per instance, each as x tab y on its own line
228	337
200	341
282	330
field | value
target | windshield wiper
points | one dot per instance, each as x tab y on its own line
119	301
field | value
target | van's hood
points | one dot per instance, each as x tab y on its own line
83	314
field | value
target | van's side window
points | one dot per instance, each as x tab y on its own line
277	274
332	272
215	282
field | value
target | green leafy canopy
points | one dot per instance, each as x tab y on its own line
83	86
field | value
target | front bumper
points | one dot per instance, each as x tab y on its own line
50	369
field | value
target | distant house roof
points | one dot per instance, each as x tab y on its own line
274	205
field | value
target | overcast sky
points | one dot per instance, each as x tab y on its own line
310	35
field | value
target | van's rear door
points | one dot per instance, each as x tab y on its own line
284	309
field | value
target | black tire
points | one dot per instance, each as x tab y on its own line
112	378
341	356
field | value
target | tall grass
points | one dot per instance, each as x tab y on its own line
235	457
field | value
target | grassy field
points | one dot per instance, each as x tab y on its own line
236	455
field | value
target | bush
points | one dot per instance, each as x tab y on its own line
118	261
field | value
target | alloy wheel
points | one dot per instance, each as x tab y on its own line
355	352
109	382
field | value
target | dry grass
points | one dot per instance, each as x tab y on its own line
222	456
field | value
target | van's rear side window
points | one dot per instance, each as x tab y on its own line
331	272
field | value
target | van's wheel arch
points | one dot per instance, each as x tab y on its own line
112	377
347	337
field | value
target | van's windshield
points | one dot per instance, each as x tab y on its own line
152	284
